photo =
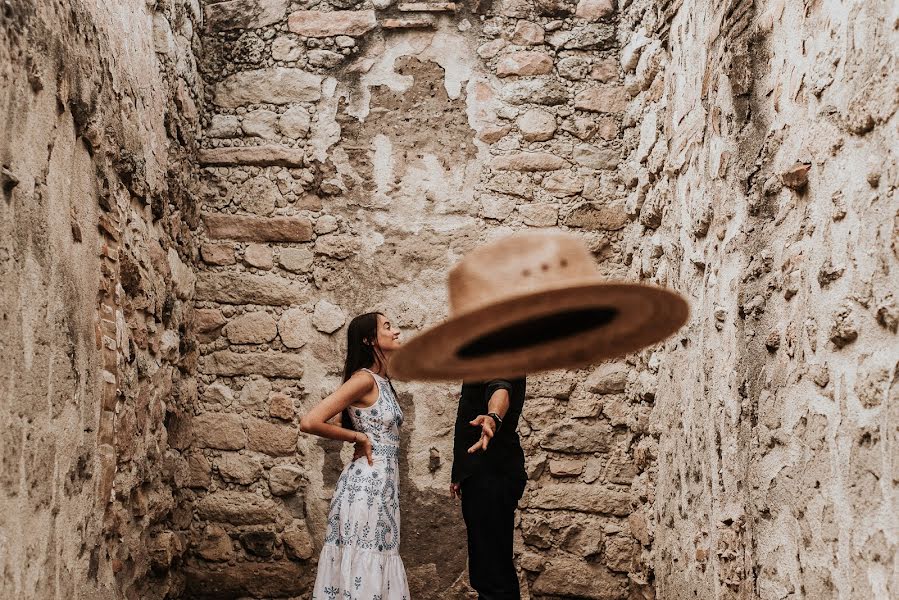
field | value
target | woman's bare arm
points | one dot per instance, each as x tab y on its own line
316	420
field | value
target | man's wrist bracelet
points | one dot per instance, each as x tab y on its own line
496	419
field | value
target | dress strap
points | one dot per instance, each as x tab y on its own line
378	379
372	373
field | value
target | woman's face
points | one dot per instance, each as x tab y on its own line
388	335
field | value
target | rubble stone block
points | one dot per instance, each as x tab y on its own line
427	6
218	393
237	508
294	327
563	184
257	229
222	431
528	161
605	70
298	542
536	91
423	22
527	33
540	214
576	437
566	467
536	125
297	260
553	384
284	480
245	14
217	254
602	158
574	68
246	579
248	288
258	156
251	328
215	545
267	364
598	217
286	48
238	468
208	319
621	553
255	392
524	64
584	498
593	10
224	126
576	578
198	473
325	59
261	123
608	378
498	208
295	122
335	245
274	439
490	134
328	317
259	256
319	24
492	48
606	99
276	85
280	406
258	195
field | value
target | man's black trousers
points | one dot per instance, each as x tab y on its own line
488	507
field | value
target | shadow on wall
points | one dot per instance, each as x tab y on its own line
434	546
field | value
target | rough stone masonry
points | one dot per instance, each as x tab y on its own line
197	197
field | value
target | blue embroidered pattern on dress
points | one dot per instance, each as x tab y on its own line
360	482
385	450
364	514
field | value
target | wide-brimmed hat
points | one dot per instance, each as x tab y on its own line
533	302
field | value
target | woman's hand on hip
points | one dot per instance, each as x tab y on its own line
362	447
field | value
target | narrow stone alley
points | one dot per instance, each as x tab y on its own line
198	195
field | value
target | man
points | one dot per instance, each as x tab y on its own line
489	477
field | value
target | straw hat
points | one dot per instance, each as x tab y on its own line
533	302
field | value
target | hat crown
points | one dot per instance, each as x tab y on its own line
515	265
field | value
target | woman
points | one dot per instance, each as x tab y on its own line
360	558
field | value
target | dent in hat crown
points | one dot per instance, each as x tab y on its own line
519	264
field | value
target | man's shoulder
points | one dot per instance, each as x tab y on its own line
472	388
514	386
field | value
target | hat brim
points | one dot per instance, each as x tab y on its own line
565	327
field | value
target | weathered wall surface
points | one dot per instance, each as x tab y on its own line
95	290
762	174
352	154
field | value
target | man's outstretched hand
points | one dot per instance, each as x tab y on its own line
488	428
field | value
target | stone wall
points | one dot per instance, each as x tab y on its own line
352	153
762	172
96	290
349	154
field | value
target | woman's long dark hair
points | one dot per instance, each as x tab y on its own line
362	351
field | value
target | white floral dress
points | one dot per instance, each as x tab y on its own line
360	559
